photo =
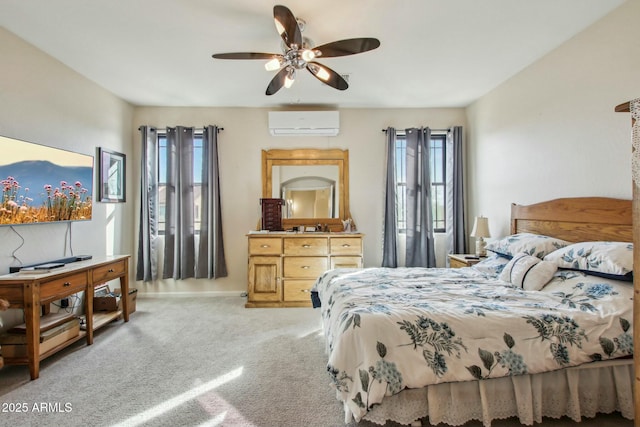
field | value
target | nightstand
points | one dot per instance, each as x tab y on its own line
461	260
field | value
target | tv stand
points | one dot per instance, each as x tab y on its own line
31	291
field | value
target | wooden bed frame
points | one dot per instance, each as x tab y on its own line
572	219
576	219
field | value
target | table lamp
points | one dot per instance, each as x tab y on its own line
480	231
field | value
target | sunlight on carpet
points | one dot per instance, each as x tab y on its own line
178	400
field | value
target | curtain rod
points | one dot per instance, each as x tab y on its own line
432	130
195	128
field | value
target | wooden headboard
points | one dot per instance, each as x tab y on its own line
577	219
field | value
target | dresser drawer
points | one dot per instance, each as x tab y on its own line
304	267
305	246
346	262
346	246
53	289
108	272
298	290
265	246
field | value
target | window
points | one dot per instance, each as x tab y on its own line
438	181
162	180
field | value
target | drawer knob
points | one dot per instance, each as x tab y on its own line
306	291
305	267
264	246
306	246
65	284
111	270
346	245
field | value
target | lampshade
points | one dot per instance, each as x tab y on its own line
481	227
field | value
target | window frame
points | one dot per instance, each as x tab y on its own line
439	185
161	135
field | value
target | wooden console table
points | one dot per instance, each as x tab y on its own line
31	292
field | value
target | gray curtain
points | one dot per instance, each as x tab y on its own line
179	231
390	238
147	269
456	226
211	259
420	246
182	259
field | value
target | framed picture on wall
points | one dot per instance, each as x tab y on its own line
111	176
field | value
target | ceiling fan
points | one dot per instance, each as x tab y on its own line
298	54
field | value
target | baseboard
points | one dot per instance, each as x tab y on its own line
207	294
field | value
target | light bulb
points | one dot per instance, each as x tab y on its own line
308	55
323	74
291	76
273	64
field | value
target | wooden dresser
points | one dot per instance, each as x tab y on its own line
284	266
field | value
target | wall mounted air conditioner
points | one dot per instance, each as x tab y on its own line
304	123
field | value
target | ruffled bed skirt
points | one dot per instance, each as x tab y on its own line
581	391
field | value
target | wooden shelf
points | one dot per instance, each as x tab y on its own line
99	320
102	318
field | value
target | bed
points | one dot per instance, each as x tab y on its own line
541	327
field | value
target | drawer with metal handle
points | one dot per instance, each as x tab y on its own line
57	288
298	290
346	246
265	246
306	246
109	272
304	267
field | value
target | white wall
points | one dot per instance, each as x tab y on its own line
551	131
246	133
548	132
43	101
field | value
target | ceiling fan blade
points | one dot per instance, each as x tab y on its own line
348	47
277	82
245	55
327	75
287	25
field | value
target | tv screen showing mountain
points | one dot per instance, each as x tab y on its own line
42	184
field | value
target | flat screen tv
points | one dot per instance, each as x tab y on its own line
43	184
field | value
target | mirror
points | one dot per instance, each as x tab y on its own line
305	195
313	183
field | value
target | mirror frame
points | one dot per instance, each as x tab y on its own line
310	157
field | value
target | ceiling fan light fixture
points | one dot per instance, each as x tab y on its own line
308	55
299	52
273	64
291	77
323	74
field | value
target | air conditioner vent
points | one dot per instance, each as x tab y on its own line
304	123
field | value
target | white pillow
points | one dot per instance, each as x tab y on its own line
528	243
528	272
608	259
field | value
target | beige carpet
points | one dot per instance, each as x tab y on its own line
193	362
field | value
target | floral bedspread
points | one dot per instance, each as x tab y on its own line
390	329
